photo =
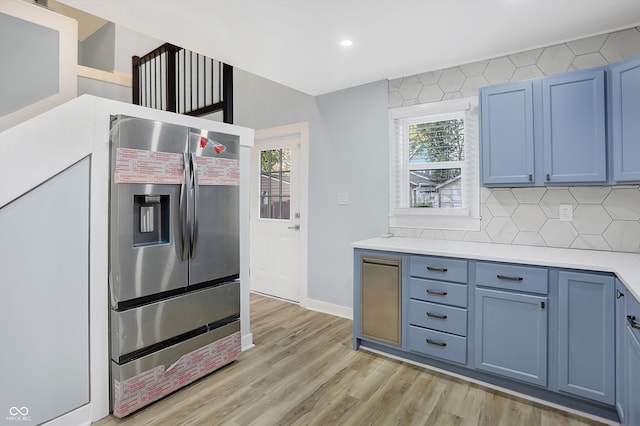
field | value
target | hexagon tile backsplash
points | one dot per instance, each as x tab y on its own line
604	217
465	80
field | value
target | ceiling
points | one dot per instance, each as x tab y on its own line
296	42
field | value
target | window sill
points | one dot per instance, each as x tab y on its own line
453	219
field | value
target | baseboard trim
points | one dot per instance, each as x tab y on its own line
328	308
247	341
80	416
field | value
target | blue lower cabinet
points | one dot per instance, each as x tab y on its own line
632	385
511	335
621	396
586	341
435	343
632	361
438	292
438	317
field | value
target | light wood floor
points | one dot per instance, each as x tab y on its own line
302	371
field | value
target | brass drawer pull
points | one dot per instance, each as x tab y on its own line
632	322
507	277
438	316
437	292
434	269
432	342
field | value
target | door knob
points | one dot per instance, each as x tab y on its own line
296	227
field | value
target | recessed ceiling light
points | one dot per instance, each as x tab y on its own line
346	43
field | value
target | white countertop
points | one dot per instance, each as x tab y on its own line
625	265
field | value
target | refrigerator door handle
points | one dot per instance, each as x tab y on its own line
185	189
196	201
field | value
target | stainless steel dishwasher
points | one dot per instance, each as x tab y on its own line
380	299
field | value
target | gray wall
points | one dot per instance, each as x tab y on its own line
99	49
131	43
260	103
44	298
347	153
29	63
110	49
112	46
104	89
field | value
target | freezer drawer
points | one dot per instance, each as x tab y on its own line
169	355
147	325
147	379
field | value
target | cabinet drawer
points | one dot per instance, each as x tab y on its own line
512	277
437	344
438	317
438	268
633	314
438	291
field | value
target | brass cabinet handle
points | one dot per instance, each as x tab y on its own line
437	292
507	277
438	316
632	322
434	269
433	342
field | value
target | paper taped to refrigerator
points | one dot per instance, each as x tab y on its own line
218	171
148	386
143	166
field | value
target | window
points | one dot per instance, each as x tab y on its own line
434	180
275	184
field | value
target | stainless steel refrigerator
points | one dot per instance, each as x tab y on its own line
174	258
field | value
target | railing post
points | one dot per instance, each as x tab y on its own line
172	102
227	93
135	80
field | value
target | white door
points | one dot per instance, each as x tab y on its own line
277	238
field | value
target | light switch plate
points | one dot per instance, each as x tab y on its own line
343	198
565	213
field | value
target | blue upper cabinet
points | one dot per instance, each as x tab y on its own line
547	131
574	133
625	120
507	134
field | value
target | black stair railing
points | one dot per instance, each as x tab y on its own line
174	79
